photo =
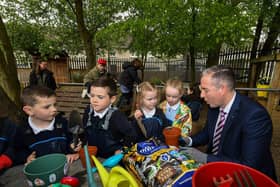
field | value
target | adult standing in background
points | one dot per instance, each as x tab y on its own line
127	78
237	129
96	72
40	75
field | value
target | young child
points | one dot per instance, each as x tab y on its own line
7	133
42	132
178	113
105	126
147	114
193	100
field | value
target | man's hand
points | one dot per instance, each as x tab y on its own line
196	154
186	140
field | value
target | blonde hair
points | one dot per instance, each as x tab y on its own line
175	83
140	91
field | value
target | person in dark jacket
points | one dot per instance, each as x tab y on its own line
127	79
43	131
40	75
105	126
237	128
193	100
7	134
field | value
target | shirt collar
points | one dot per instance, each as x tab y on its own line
37	130
149	114
228	106
101	114
174	107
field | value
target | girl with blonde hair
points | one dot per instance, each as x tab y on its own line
148	120
175	110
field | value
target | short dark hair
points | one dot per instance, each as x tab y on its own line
29	94
221	73
137	63
106	82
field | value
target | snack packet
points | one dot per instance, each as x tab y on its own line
156	164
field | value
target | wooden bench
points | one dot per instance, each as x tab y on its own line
69	98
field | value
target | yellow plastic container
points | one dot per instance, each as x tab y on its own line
263	94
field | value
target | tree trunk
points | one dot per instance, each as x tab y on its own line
213	56
85	34
9	82
274	30
192	55
192	48
252	79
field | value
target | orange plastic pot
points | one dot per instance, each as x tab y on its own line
171	135
92	150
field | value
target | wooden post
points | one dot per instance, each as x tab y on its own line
274	97
60	69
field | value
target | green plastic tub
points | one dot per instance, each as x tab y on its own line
46	170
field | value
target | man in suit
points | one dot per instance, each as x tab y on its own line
237	128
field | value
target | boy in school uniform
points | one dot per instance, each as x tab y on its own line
105	126
7	133
43	132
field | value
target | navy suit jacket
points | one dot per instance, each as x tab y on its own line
246	136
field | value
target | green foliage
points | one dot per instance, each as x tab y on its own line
25	37
161	27
77	77
156	81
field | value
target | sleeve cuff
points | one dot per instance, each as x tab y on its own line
5	161
190	141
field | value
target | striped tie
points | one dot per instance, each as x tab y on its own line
218	132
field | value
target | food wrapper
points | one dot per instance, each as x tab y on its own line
156	164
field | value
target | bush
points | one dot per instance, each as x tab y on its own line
77	77
156	81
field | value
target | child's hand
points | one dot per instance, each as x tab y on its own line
77	147
31	157
72	157
138	114
118	151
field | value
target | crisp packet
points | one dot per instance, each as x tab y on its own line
156	164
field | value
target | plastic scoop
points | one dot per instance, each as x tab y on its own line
110	162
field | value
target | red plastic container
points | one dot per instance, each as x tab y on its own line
203	176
